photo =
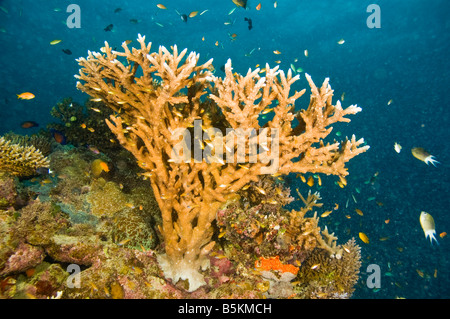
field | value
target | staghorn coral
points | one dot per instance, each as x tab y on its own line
40	141
190	186
22	161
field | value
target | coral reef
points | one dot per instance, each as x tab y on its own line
84	124
22	161
154	120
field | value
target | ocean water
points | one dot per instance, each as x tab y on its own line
404	61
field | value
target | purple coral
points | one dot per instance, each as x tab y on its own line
25	257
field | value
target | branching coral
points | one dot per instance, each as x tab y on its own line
162	98
22	161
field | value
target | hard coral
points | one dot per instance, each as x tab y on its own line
22	161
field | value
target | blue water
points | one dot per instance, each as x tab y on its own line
405	60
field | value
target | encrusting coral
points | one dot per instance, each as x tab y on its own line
163	106
21	161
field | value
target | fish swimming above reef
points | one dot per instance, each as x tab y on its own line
67	51
183	16
422	155
109	27
25	96
427	223
250	24
240	3
29	124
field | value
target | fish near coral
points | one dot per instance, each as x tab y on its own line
98	166
422	155
29	124
59	136
427	223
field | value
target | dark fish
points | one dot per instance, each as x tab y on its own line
222	68
29	124
67	51
58	136
117	10
184	17
134	21
42	171
250	26
109	27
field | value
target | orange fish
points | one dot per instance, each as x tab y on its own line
443	234
25	96
310	181
193	14
29	124
258	7
277	52
161	6
359	212
58	136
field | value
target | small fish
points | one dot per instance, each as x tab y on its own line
328	212
250	25
342	96
134	21
262	191
387	221
397	147
384	238
427	223
390	102
420	273
193	14
25	96
364	237
117	10
336	206
161	6
315	266
240	3
277	52
310	181
123	242
67	51
184	17
359	212
258	7
422	155
128	41
203	12
55	42
341	41
29	124
108	27
443	234
306	53
58	136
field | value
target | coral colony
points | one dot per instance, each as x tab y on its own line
212	223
